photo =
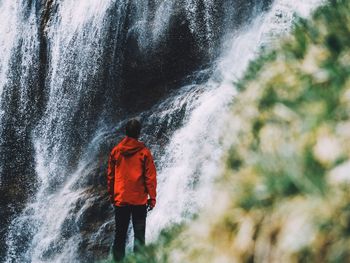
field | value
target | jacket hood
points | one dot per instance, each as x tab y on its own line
129	146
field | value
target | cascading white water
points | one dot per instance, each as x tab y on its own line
192	157
19	53
17	37
74	35
8	31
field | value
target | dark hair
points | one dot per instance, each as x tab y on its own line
133	128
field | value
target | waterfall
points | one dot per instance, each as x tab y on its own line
71	74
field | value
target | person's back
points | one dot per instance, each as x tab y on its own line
132	185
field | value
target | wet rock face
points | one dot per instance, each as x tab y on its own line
96	227
149	75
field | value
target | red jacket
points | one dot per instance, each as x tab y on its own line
131	174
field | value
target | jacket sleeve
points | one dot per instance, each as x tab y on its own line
151	178
110	176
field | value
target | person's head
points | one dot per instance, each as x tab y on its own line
133	128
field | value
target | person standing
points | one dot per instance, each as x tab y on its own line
131	185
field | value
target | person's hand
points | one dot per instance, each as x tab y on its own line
150	204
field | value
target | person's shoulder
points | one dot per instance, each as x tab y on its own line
115	149
146	150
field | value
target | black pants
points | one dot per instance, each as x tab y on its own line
122	218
